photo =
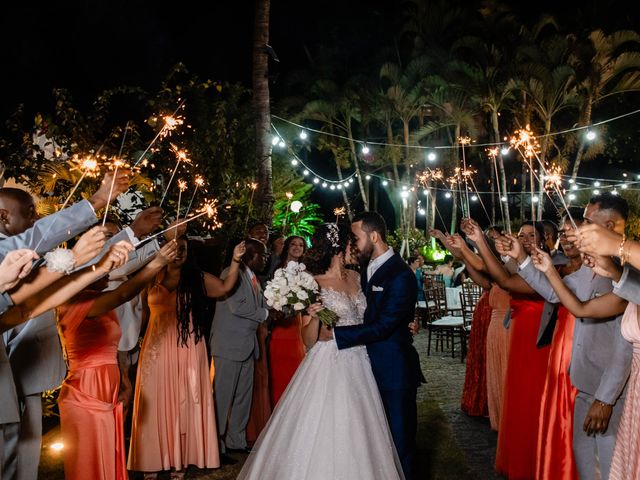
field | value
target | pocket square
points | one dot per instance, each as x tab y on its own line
376	289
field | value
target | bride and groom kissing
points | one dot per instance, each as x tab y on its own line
330	422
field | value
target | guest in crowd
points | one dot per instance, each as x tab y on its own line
446	270
518	432
234	347
173	419
416	262
20	227
286	349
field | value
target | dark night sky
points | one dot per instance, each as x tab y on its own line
91	45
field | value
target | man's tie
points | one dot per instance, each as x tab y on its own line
254	282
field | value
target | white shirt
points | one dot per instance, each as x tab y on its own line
377	262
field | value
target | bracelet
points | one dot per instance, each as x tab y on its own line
621	252
234	260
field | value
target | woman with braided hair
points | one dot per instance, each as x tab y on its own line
174	424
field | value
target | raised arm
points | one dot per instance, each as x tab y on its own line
216	287
605	306
126	291
510	282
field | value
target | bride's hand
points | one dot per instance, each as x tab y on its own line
314	308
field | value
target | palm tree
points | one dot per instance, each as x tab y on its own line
264	198
605	68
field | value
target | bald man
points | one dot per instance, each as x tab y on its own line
33	348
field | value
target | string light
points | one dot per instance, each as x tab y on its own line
365	149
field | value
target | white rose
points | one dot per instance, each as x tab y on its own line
302	295
298	306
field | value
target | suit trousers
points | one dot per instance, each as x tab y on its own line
233	388
9	434
402	415
30	442
594	452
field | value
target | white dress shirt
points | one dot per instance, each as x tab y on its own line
377	262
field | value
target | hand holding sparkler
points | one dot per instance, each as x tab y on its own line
120	181
541	260
472	230
146	222
596	240
89	245
166	255
116	257
176	229
509	246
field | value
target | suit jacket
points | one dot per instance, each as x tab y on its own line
10	410
391	298
600	357
628	287
233	331
34	347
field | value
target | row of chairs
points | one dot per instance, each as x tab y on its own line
448	325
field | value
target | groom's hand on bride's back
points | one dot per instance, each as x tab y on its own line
325	334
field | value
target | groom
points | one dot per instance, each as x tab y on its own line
390	288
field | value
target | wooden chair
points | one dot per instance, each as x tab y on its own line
469	296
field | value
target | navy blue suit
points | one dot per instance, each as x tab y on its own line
391	299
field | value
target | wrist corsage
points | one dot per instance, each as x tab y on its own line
60	260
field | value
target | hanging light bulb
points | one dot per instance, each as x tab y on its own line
275	140
596	183
385	183
281	144
624	186
324	184
305	172
591	135
505	151
294	162
367	177
332	187
447	195
316	180
572	196
474	198
303	135
431	156
365	149
504	199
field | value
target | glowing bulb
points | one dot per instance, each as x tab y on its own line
447	195
365	150
474	198
504	199
425	192
57	446
596	184
421	211
596	192
275	140
339	187
591	135
574	187
431	156
305	172
535	199
324	184
303	135
351	180
404	194
624	186
332	187
505	151
614	192
296	205
281	144
367	177
316	180
572	196
294	162
385	183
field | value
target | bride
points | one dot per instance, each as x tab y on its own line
330	421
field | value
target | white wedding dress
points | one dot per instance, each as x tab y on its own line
330	422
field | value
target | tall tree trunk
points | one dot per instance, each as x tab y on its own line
410	216
523	190
264	198
585	119
544	148
354	159
503	177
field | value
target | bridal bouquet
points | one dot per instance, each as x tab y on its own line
293	289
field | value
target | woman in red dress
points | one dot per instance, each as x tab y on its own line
286	349
526	365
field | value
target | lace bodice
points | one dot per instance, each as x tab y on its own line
349	307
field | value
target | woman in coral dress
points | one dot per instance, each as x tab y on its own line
497	352
173	415
286	349
90	414
526	363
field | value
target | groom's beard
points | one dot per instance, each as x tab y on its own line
364	256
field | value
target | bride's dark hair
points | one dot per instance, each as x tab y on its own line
328	240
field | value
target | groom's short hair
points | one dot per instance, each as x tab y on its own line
372	222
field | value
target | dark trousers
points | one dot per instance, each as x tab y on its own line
402	414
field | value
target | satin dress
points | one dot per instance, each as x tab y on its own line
524	383
286	352
91	420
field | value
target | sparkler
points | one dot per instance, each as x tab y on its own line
182	157
253	186
339	212
171	122
526	143
199	181
117	163
465	141
210	209
492	153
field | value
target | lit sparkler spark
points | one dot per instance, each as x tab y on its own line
182	185
526	140
171	122
553	179
338	212
492	152
289	195
464	140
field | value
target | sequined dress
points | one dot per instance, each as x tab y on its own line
330	421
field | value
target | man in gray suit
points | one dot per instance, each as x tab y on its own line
234	347
33	348
600	358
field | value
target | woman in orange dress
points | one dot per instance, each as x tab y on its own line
174	425
286	349
526	363
90	413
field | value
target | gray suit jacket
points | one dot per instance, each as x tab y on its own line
9	410
233	331
34	347
628	287
600	357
